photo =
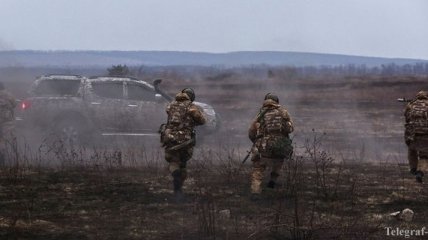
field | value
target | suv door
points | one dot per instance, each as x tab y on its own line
146	107
108	105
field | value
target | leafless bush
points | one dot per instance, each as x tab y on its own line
327	173
206	210
308	205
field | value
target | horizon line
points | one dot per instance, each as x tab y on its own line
206	52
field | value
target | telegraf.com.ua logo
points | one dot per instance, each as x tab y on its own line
406	233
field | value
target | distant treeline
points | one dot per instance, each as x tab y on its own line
391	69
288	72
219	73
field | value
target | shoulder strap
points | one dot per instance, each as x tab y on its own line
261	113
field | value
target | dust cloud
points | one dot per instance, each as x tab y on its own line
357	118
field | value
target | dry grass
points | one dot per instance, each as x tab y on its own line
104	194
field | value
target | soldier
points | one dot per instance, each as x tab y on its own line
178	136
269	133
416	133
7	106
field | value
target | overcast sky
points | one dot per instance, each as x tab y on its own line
385	28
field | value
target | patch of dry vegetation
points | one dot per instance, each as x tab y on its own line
101	194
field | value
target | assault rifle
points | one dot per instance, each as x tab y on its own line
404	100
259	117
182	145
249	153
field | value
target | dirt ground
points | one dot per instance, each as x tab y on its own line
354	202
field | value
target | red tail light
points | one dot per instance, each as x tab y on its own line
25	104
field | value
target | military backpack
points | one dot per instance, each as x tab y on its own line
178	128
272	122
418	117
275	142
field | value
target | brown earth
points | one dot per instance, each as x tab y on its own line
137	203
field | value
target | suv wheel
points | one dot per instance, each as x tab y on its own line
69	133
72	132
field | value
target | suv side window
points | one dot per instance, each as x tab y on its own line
113	89
140	93
57	87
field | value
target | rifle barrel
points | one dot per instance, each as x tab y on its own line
404	100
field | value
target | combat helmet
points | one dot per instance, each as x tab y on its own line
189	92
272	97
422	95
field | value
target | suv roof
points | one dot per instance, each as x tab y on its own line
112	78
132	79
56	85
61	76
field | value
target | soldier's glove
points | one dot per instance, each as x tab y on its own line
413	171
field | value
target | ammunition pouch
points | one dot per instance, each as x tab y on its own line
415	130
173	137
276	147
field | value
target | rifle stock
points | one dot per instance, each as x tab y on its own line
182	145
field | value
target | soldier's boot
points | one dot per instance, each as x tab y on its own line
419	176
177	182
272	182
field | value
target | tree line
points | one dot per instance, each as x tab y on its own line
267	71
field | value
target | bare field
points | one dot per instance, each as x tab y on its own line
137	203
348	173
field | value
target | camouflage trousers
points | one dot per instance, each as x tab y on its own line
260	163
177	160
418	153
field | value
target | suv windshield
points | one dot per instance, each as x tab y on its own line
137	92
57	87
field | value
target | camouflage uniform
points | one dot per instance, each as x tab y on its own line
416	133
7	106
270	134
183	116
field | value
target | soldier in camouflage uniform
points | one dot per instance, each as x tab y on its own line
178	135
7	106
270	134
416	133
